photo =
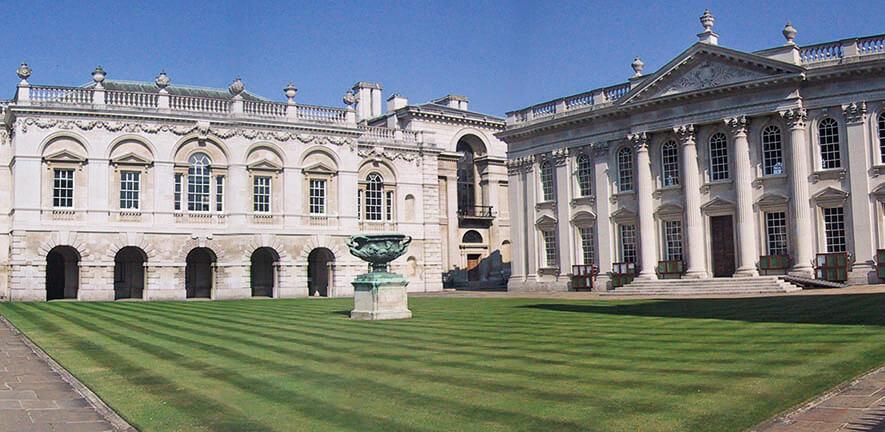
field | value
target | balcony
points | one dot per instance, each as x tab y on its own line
476	214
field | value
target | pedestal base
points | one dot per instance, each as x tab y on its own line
380	296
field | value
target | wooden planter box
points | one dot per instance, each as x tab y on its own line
774	263
832	266
671	269
584	277
623	273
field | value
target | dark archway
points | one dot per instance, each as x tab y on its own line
263	273
200	273
129	273
319	272
62	273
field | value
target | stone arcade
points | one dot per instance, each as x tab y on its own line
158	191
721	163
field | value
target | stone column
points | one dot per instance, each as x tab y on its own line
452	217
746	223
604	235
517	221
531	232
861	207
801	217
563	227
644	190
694	222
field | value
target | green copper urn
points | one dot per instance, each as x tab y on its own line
379	294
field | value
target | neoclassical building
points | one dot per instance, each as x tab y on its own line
156	191
721	163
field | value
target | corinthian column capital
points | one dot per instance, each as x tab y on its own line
639	141
560	156
737	125
855	112
685	134
794	117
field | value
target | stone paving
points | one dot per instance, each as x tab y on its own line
35	395
856	406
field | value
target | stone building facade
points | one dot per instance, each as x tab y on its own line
721	163
159	191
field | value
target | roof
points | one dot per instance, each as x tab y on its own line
175	89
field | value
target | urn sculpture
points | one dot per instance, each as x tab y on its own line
379	294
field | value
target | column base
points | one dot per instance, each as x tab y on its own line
647	276
695	274
380	296
746	272
803	271
862	274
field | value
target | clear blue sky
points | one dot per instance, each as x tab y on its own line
503	55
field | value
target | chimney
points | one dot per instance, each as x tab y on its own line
395	102
368	104
453	101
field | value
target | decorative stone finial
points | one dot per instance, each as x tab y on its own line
707	20
637	66
790	33
162	81
290	91
24	72
349	98
708	36
236	87
98	75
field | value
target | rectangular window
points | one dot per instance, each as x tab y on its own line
719	157
261	194
130	186
177	197
549	248
628	243
317	197
219	193
673	240
547	181
388	205
63	188
834	227
359	203
587	245
776	232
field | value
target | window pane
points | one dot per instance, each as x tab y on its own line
547	181
882	138
130	186
317	199
625	169
719	157
549	248
63	188
670	164
198	182
776	229
772	153
834	227
628	243
673	240
828	132
374	186
261	194
587	245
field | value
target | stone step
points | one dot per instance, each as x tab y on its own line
714	286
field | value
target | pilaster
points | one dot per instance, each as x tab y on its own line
563	228
604	236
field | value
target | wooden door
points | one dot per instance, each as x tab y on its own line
722	245
473	267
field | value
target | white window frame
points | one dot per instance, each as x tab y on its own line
829	146
670	164
624	160
130	190
548	192
719	157
551	253
835	233
317	196
199	183
673	233
772	151
627	249
587	244
262	194
219	193
584	175
777	232
881	130
374	198
63	188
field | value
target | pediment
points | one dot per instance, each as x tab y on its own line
64	156
879	192
584	217
265	164
623	214
772	200
668	209
320	168
830	195
545	221
130	159
704	67
717	203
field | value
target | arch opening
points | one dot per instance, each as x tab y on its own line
467	174
129	274
320	264
200	273
264	272
62	273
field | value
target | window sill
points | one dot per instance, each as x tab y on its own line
545	205
589	200
548	271
828	174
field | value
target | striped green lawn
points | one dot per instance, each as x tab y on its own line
460	364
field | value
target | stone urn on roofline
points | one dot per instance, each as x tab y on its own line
379	294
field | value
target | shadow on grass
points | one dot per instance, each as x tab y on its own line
848	309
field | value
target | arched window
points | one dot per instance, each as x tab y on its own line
583	174
772	151
374	196
625	169
719	157
198	175
547	181
828	136
882	138
471	237
670	163
466	178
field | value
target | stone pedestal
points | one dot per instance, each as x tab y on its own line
380	296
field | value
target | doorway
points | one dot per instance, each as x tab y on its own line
129	273
263	274
473	267
62	273
722	239
319	272
199	273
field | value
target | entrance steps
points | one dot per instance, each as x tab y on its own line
710	286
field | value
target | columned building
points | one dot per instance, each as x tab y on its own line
721	163
159	191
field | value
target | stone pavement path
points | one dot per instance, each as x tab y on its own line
857	406
34	395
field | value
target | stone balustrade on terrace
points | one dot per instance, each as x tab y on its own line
812	56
